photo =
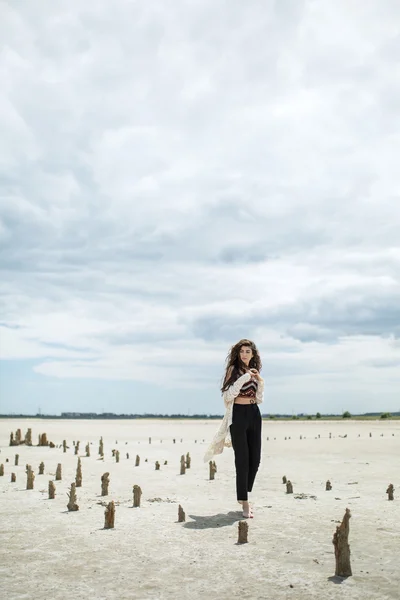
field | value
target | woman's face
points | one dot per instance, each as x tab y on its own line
246	354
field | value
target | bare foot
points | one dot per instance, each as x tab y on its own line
247	512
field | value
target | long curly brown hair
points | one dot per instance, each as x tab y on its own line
233	360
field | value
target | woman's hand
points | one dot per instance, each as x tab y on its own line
255	374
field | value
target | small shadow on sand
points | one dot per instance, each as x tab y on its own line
213	521
337	579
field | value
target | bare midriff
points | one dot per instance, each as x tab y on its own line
244	400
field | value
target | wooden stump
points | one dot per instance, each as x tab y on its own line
64	445
77	448
109	516
284	480
13	478
28	437
390	491
52	490
101	447
174	441
137	461
72	505
165	462
181	514
127	455
12	441
105	481
117	456
78	476
243	529
183	465
342	548
289	487
41	468
157	465
18	437
1	470
87	449
43	439
137	493
30	477
188	460
58	472
149	440
328	486
213	469
16	460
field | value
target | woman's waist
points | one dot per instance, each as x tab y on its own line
245	400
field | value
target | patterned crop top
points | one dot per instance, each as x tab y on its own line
249	389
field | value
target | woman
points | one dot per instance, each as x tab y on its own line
243	390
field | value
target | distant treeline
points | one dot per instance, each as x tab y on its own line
76	415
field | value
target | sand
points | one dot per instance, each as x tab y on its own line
50	553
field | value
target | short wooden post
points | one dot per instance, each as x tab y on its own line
390	491
52	490
213	469
342	548
157	465
137	461
328	486
289	487
16	460
101	447
64	446
30	477
181	514
1	470
109	516
183	465
105	480
78	476
243	529
117	456
72	505
87	449
58	472
188	460
41	468
284	480
13	478
137	494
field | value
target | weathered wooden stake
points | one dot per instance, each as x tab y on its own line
13	478
127	455
30	477
58	472
72	505
137	493
243	529
87	449
289	487
77	447
78	476
137	461
1	470
342	548
101	447
149	440
117	456
181	515
105	480
64	446
390	491
284	480
157	465
16	460
213	469
41	468
328	486
109	516
52	490
28	437
183	465
188	460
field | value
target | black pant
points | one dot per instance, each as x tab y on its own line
246	441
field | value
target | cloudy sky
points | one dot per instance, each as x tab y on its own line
175	176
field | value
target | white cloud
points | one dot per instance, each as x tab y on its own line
173	180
